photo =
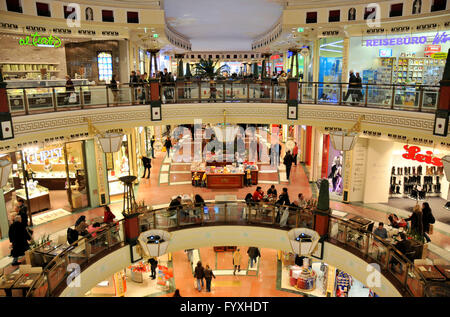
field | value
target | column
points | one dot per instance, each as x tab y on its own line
316	162
354	171
316	60
4	222
325	154
308	146
345	59
102	177
92	172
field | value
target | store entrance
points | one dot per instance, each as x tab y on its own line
51	180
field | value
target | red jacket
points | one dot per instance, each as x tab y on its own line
295	150
108	217
257	196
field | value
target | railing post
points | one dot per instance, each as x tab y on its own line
178	217
297	216
231	91
175	95
248	92
199	83
301	93
274	209
154	219
366	247
366	95
224	92
81	97
108	238
340	93
88	248
315	93
202	214
393	97
225	212
48	282
133	97
420	102
107	96
54	100
273	92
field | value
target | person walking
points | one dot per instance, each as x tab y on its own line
209	274
236	261
295	153
288	160
114	89
427	219
199	274
19	237
168	145
153	265
359	87
351	86
152	143
147	163
416	220
253	254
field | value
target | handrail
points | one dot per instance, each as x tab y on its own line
227	213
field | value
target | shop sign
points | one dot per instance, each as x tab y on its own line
8	26
412	154
440	55
34	158
441	38
431	49
37	40
406	40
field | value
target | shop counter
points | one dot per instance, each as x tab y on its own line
52	183
225	181
38	202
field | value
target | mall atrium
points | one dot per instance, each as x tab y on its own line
236	149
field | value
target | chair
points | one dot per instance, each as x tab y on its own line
370	227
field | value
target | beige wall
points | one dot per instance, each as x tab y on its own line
378	172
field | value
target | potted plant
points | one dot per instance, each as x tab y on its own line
207	68
322	210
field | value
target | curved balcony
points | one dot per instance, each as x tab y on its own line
395	267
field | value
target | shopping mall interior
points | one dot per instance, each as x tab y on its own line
208	148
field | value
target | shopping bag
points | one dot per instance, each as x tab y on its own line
73	98
164	149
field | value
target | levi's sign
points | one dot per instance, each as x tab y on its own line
37	40
412	153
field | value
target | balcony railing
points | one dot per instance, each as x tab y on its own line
396	267
24	101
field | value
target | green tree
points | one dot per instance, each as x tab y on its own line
207	68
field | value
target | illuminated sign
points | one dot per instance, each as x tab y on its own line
42	41
406	40
441	38
35	158
412	154
300	30
155	35
385	52
440	55
431	49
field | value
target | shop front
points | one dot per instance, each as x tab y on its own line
404	58
50	178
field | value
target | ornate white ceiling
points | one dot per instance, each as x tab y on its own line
222	25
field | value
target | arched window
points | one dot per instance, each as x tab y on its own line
104	61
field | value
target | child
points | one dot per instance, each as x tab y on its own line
196	179
204	180
248	175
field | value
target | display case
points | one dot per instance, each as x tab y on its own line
39	197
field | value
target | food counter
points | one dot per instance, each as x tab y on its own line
39	198
224	177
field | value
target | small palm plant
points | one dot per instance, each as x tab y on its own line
207	68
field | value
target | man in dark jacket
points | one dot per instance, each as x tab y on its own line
19	237
253	253
147	163
351	85
152	142
288	160
23	211
153	265
168	145
359	87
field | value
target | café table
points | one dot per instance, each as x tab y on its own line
430	272
444	270
25	281
7	281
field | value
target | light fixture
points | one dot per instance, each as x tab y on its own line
109	142
346	140
5	169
